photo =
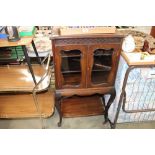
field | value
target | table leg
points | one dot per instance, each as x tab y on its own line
29	63
35	50
123	94
111	99
113	126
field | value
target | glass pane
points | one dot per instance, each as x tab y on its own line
101	66
71	67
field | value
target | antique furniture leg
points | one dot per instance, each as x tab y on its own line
35	50
103	100
29	63
58	107
110	101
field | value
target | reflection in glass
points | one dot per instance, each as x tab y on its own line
101	66
71	67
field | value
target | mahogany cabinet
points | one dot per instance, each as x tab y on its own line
85	70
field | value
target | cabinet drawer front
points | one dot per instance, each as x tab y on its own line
70	68
102	64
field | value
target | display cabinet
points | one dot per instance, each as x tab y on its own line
85	70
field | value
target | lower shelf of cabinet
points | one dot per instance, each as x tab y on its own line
82	106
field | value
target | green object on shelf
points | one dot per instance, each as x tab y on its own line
28	32
12	54
17	53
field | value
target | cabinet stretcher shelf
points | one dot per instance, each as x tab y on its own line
82	106
23	106
18	78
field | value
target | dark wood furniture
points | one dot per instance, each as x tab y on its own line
85	70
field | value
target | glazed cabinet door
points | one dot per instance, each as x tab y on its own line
70	66
102	64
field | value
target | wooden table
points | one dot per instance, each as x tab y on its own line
23	42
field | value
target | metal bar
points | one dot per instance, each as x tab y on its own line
45	75
29	63
35	50
137	110
121	96
140	110
35	92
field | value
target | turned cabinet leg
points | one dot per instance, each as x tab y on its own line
58	107
111	99
103	100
